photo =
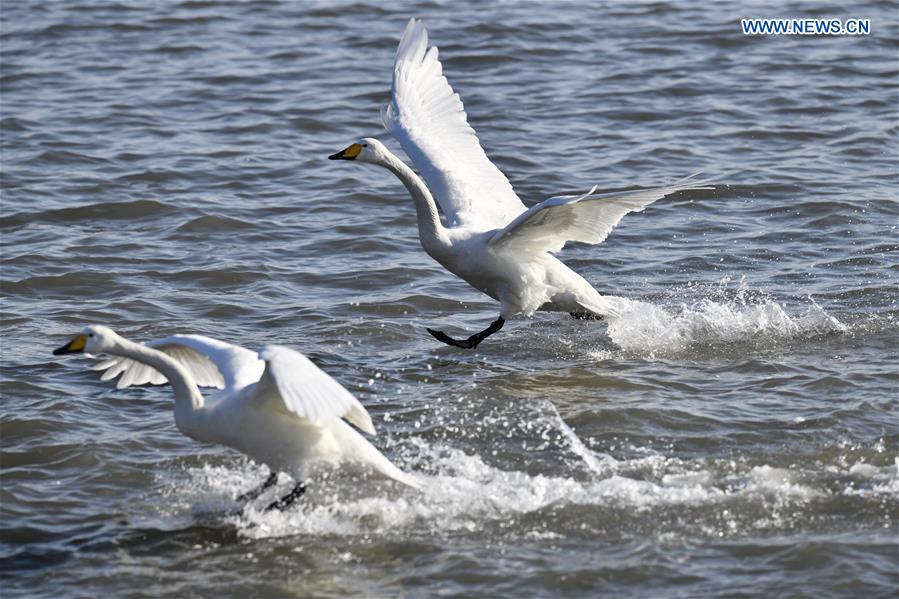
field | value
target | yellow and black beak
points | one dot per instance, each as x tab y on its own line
348	154
75	346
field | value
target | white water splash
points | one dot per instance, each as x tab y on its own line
599	464
646	328
464	493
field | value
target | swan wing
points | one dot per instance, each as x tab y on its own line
211	363
427	117
587	218
294	384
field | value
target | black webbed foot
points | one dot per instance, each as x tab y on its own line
254	493
473	341
463	343
585	316
288	499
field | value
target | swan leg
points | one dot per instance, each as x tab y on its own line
257	491
288	499
585	316
473	341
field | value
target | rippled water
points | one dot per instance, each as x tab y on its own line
163	170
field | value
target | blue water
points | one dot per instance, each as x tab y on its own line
164	170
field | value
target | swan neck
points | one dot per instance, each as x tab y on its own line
430	229
188	398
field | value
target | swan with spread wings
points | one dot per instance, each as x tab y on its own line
275	406
488	237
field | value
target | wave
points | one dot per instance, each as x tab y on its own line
67	285
212	223
130	210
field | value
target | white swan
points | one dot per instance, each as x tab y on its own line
276	406
490	240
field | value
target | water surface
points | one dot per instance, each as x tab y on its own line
164	170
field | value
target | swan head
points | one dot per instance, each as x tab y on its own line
95	339
367	149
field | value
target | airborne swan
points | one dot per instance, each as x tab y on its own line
489	238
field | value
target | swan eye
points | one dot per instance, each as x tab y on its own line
364	145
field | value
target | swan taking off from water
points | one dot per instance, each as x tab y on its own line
490	239
275	406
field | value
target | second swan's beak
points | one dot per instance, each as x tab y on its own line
348	154
75	346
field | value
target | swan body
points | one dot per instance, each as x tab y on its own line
487	236
274	406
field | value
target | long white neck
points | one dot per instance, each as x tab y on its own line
188	399
431	231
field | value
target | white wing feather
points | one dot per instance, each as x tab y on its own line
427	117
211	363
307	391
586	218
